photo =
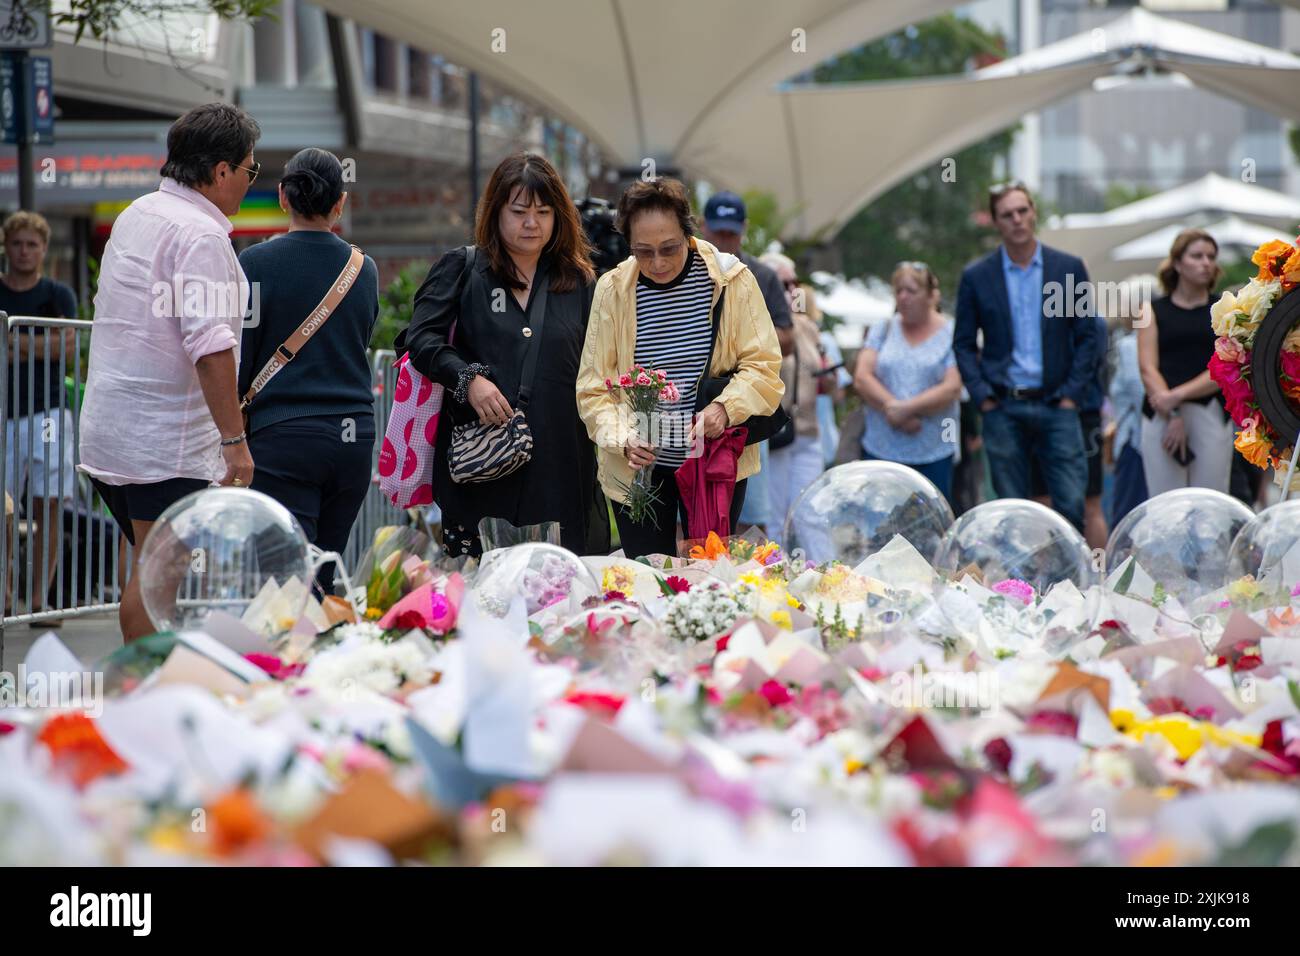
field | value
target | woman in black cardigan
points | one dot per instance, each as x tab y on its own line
527	232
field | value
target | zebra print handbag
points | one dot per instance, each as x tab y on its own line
479	452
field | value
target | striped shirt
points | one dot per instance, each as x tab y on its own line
673	325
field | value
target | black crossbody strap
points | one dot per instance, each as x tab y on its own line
536	307
713	332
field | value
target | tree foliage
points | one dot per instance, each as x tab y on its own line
938	216
100	18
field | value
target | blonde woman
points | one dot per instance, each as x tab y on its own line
1186	436
907	376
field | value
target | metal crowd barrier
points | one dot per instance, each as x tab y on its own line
93	556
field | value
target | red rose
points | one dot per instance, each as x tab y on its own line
1053	722
723	641
998	752
409	620
774	693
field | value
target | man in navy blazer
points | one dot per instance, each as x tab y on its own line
1034	306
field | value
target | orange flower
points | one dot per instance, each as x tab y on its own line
1254	447
712	550
75	744
1270	258
1290	274
237	821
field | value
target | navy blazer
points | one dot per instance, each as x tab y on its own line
1069	343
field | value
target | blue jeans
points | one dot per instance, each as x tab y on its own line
939	472
1016	432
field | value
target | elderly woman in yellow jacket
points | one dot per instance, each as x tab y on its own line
656	309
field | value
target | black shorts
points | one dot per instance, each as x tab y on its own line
145	502
1090	423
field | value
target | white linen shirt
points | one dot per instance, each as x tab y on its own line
171	291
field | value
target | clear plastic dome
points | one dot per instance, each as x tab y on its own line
1013	538
1268	547
541	575
853	510
1181	539
216	550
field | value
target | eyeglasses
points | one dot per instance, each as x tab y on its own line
914	265
252	173
669	251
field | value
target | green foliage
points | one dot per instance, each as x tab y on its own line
102	17
939	215
1121	194
396	304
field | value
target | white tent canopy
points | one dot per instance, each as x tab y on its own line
1093	235
639	78
827	150
1237	239
1234	237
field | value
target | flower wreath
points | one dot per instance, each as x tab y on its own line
1256	360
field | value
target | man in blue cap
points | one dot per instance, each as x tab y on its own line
724	227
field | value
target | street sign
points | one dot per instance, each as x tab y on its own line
10	120
40	97
24	25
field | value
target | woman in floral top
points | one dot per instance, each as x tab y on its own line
908	378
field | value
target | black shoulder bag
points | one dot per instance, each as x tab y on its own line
480	452
760	427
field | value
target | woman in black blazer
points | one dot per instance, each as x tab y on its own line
470	332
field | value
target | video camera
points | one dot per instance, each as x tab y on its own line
609	246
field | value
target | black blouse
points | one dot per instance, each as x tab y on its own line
559	483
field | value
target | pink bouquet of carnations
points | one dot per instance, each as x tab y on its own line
644	390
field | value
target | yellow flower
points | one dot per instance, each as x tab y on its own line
1187	735
1121	720
618	577
792	601
1244	589
762	553
1165	793
1255	299
782	619
1223	314
852	766
373	614
167	839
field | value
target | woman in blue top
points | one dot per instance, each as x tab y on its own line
908	378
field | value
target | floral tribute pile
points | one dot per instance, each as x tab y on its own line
727	707
1236	318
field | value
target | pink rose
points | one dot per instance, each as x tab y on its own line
1022	591
1237	392
1229	350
